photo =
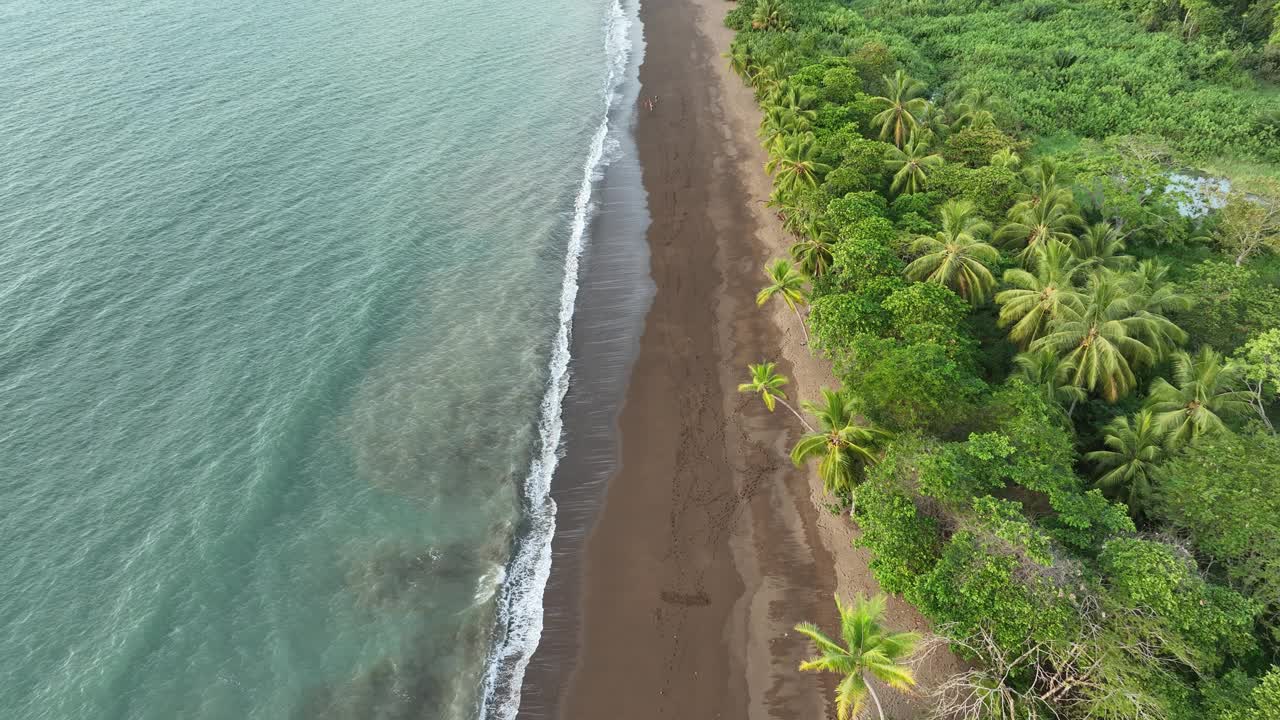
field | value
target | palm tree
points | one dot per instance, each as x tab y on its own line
911	165
975	109
1201	395
1103	341
768	385
1153	296
780	123
1130	464
764	78
1101	245
955	257
840	443
903	107
1051	375
740	59
787	283
867	650
813	252
1006	157
1043	179
768	16
795	165
1035	301
792	97
1035	223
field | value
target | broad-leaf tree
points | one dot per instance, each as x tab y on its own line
1259	366
866	650
1251	220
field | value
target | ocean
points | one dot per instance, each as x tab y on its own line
286	292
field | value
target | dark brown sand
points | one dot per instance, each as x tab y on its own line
710	546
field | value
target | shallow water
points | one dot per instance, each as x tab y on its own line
280	288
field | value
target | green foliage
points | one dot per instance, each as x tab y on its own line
1083	69
925	303
904	543
847	213
858	156
841	85
1170	607
1223	493
977	514
978	583
915	386
1229	303
974	146
954	474
865	255
1261	703
836	320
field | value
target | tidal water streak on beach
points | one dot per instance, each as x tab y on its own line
280	286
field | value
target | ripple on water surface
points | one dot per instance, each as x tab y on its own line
279	287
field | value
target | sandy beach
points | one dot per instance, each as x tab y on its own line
710	545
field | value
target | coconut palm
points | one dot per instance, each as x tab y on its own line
740	58
1035	300
768	385
1101	245
840	443
1042	177
1130	464
975	109
911	165
780	123
768	16
1035	223
1153	296
1201	395
792	97
903	106
787	283
813	251
867	650
1006	157
764	78
794	164
1044	370
955	256
1103	341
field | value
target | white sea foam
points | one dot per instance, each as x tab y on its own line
519	611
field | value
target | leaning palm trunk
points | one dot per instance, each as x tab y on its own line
876	699
803	328
799	417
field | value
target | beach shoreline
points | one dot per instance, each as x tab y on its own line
709	546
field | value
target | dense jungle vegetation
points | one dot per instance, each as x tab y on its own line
1057	347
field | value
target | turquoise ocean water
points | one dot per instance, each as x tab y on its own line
282	325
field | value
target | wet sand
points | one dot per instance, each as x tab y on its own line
710	546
